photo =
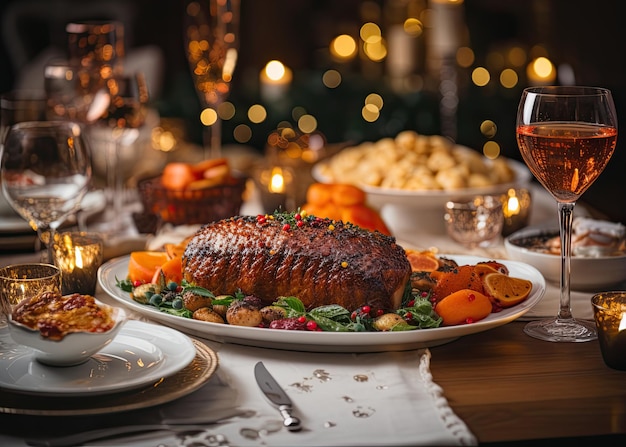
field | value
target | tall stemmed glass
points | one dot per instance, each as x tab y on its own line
119	127
46	171
212	40
566	135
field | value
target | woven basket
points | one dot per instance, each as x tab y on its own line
200	206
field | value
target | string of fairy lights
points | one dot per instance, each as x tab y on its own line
505	68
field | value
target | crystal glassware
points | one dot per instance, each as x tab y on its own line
212	41
45	172
474	223
119	127
566	135
23	281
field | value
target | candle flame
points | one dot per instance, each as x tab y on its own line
622	323
513	206
78	256
275	70
277	181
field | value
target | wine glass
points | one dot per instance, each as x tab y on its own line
566	135
117	128
212	40
46	172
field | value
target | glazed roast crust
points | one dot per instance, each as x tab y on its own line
322	262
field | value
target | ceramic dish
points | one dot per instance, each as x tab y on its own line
328	341
74	348
378	196
141	354
180	384
587	273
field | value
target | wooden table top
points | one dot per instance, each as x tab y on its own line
508	386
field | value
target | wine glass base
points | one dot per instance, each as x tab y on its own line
562	330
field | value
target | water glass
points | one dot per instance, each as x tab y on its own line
475	223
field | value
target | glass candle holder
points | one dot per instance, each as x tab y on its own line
609	310
475	223
23	281
78	255
516	204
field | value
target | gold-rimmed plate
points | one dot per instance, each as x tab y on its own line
184	382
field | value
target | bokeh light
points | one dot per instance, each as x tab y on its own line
370	33
465	57
375	99
343	47
508	78
370	113
488	128
331	78
491	150
242	133
480	76
307	123
257	113
208	116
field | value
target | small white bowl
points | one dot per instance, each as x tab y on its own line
74	348
587	273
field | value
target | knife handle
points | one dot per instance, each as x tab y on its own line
291	422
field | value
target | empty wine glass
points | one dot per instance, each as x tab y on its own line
119	126
566	135
212	40
46	172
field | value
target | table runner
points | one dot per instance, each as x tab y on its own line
343	399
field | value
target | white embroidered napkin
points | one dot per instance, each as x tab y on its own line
378	399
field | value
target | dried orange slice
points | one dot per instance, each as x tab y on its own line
506	291
422	261
483	269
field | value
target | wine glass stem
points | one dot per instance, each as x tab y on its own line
49	234
114	182
213	140
566	214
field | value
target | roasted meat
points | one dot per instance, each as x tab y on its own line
317	260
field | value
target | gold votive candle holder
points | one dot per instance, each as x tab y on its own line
609	310
24	281
78	255
516	206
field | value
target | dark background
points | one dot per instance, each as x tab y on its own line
586	35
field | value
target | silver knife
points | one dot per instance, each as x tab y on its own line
277	396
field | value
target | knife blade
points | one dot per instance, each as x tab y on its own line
277	396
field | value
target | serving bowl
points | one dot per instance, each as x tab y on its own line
587	272
73	348
378	196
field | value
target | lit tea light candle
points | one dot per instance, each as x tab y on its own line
277	181
274	184
78	256
275	81
516	210
609	310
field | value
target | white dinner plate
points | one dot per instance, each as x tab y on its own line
140	355
431	199
329	341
